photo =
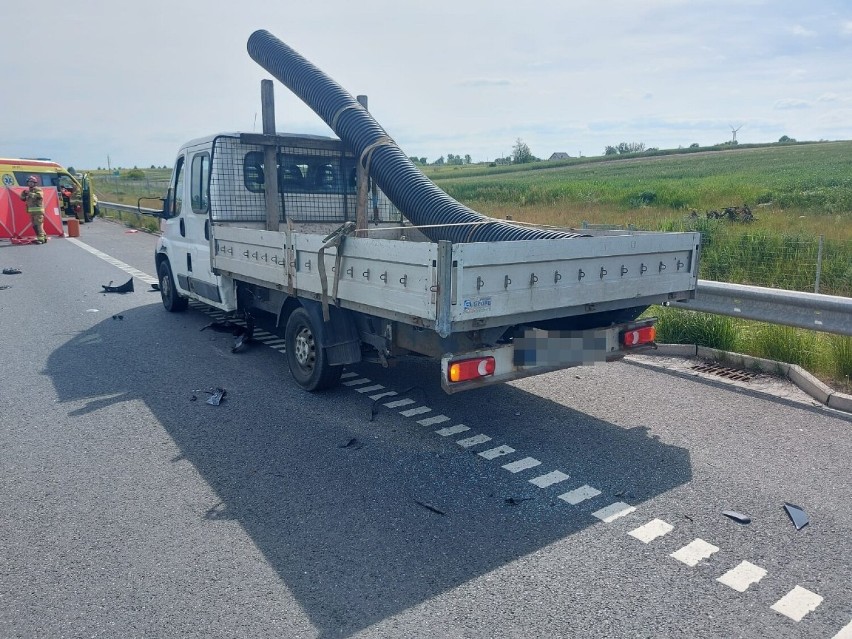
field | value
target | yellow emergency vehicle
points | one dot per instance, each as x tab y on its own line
83	204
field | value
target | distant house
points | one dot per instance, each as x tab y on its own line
559	155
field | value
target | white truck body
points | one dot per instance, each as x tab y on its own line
388	290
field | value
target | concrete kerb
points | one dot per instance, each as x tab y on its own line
796	374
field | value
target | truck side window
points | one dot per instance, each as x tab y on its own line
199	182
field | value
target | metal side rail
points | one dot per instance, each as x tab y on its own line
128	208
826	313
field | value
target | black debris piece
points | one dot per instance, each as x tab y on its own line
193	398
224	327
11	271
737	517
216	396
155	288
514	501
797	515
429	507
127	287
5	286
240	342
118	317
352	443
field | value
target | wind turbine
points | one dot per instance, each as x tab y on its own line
734	132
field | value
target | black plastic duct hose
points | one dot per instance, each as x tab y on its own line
415	195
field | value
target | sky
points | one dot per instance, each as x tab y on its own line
126	83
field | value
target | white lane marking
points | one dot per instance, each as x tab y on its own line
452	430
369	389
271	341
432	421
385	394
140	275
577	495
473	441
494	453
650	531
743	576
797	603
356	382
399	402
609	514
845	632
694	552
411	412
522	464
553	477
348	375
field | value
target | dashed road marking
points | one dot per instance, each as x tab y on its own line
473	441
433	421
385	394
580	494
797	603
845	632
694	552
411	412
140	275
369	389
349	375
494	453
522	464
553	477
609	514
651	531
452	430
743	576
356	382
399	403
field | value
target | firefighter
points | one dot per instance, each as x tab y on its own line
34	198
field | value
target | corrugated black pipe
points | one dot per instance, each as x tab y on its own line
415	195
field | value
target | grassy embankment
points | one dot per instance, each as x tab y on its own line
796	192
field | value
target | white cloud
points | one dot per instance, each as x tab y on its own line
799	30
791	103
846	27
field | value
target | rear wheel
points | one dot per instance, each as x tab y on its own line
306	355
173	302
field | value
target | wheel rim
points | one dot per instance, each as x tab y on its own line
165	287
305	349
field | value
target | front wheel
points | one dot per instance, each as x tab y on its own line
173	302
306	355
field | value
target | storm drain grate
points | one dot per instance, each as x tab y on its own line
728	373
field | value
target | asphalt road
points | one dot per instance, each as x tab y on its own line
585	503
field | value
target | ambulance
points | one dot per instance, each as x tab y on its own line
15	171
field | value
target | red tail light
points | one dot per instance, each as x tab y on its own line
639	336
466	369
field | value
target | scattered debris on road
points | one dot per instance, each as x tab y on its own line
127	287
118	317
514	501
429	507
9	270
352	443
155	288
216	396
737	517
797	515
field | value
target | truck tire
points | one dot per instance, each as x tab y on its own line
306	355
173	302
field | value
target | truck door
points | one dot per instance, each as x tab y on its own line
189	229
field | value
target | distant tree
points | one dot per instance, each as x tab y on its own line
415	159
630	147
153	167
694	145
784	139
467	158
439	161
135	174
610	150
521	153
423	161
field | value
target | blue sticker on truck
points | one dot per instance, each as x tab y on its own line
476	305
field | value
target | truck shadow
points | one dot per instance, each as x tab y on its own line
362	520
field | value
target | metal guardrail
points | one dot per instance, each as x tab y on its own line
825	313
814	311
